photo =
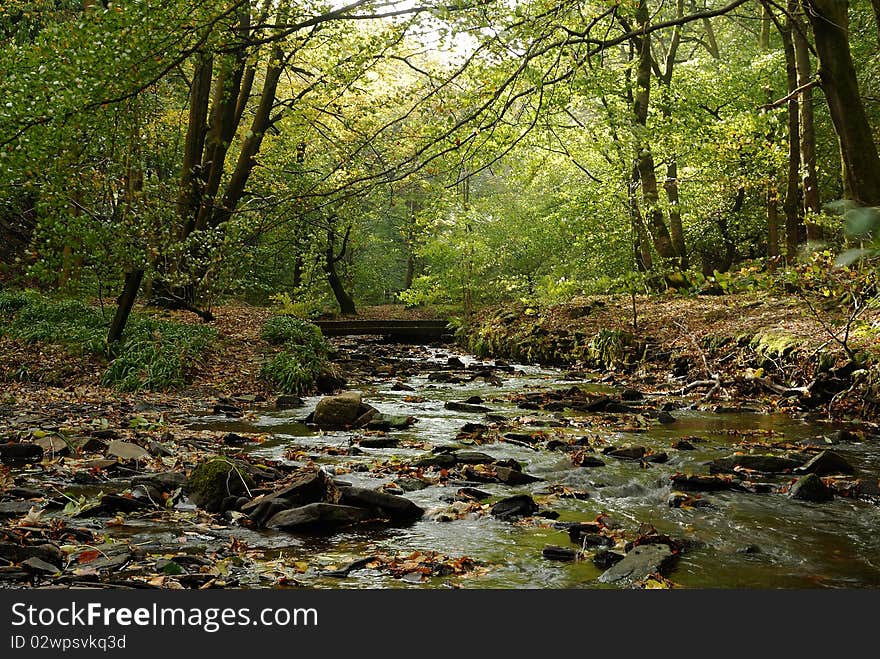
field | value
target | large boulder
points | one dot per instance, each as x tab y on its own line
318	517
340	412
394	507
309	487
215	480
825	463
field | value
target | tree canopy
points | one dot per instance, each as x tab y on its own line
427	152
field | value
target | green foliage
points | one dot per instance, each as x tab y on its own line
71	323
303	357
304	307
12	301
613	349
424	290
863	225
157	354
286	329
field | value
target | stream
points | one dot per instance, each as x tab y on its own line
730	538
741	540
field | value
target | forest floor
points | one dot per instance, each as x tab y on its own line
696	329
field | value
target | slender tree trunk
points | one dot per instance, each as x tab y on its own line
414	208
875	5
188	198
124	305
772	227
670	183
861	164
641	240
766	22
772	193
791	205
809	181
645	158
345	301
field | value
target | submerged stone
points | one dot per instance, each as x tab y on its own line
768	464
318	517
456	406
521	505
394	507
638	564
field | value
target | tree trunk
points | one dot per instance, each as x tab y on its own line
670	183
645	158
772	228
409	274
861	164
641	240
124	305
875	5
345	301
809	181
791	205
252	141
764	35
188	198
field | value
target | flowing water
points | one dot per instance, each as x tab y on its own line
743	540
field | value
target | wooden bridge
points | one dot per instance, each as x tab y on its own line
402	331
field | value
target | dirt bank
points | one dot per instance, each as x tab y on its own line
729	346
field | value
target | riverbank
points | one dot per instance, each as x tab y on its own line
726	347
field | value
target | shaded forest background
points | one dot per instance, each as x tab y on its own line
322	156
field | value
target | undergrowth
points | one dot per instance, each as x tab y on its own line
302	360
155	354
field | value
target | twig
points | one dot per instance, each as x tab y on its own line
690	338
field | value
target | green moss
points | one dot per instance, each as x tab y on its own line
774	344
713	342
216	479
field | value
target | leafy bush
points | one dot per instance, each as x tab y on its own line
303	307
286	329
294	370
304	357
157	354
65	322
12	301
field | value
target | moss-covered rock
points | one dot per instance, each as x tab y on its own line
774	345
613	348
215	480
